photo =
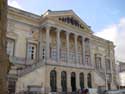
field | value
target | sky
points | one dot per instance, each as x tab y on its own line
106	17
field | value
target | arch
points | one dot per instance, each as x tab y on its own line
64	81
53	81
81	80
73	81
89	82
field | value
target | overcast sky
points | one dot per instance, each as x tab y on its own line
106	17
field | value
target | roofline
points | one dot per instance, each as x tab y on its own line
20	11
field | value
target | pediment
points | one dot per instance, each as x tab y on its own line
67	17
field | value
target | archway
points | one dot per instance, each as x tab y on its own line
73	81
81	79
89	80
64	81
53	81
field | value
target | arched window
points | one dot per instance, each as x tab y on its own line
53	80
89	80
81	80
64	81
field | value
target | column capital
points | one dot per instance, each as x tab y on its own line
76	35
83	37
47	27
67	33
58	29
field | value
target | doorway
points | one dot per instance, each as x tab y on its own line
73	81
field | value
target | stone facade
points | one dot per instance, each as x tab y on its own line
4	62
55	49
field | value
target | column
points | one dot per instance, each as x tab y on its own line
85	80
58	45
77	81
69	82
76	49
40	46
59	87
83	50
47	43
67	45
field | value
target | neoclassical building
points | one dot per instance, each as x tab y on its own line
58	52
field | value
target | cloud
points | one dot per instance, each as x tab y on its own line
14	3
115	33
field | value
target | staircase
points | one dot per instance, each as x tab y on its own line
30	68
101	76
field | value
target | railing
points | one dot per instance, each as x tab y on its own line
19	60
101	73
63	55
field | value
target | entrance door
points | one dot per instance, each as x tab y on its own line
64	81
73	81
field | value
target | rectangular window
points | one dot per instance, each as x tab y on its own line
43	54
98	62
108	64
53	53
79	58
10	47
72	57
87	59
31	51
11	86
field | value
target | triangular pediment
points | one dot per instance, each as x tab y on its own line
67	17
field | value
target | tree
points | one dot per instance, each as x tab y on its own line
4	61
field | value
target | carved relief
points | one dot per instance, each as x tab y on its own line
71	21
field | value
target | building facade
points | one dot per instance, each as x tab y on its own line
121	73
58	52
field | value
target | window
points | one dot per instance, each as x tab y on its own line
43	54
53	53
11	85
79	57
31	51
87	59
64	81
72	57
108	64
63	55
53	81
81	77
10	47
98	62
89	80
87	51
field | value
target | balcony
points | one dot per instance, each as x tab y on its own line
72	60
